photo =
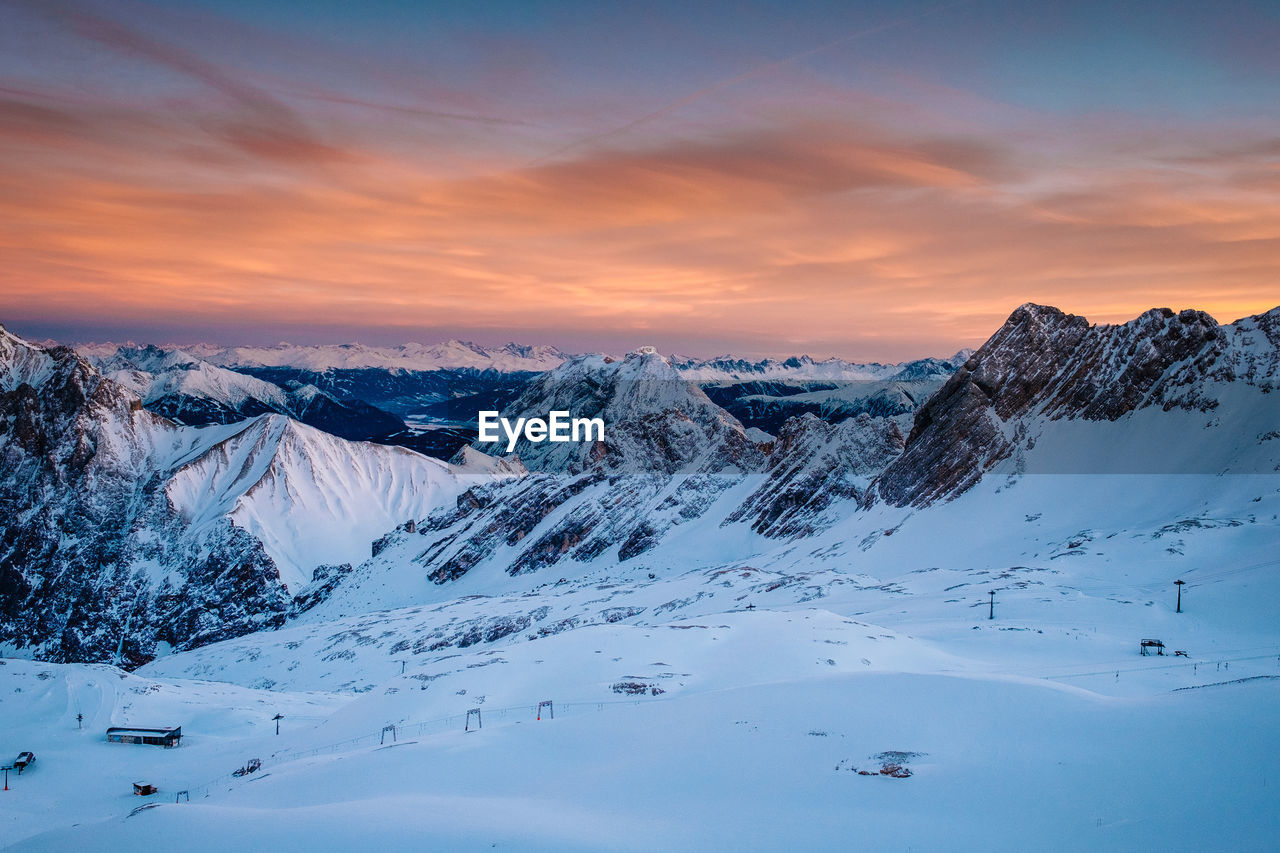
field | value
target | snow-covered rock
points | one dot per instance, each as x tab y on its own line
813	465
655	420
120	530
192	391
1035	396
726	368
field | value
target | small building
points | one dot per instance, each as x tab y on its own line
166	737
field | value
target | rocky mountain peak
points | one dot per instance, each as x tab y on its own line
1046	364
120	529
655	420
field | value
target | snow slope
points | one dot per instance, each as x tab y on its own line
308	497
1043	728
1002	766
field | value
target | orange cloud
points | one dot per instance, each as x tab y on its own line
831	237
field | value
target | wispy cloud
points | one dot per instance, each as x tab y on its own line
854	224
261	125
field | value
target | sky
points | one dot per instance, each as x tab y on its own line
871	180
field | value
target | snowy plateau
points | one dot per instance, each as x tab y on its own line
770	610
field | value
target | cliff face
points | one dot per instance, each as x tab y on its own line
813	465
93	565
120	530
1045	365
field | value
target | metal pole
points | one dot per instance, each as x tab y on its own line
1179	584
6	778
991	612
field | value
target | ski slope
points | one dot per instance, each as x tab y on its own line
776	682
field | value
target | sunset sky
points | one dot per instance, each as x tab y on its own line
864	179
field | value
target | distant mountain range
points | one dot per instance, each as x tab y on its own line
426	397
189	390
729	369
455	355
450	355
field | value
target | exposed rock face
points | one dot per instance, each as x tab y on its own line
92	563
120	529
813	465
670	458
668	454
657	422
1046	364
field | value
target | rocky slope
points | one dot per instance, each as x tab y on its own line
657	422
813	466
1045	366
120	530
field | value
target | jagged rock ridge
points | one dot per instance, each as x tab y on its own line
1046	365
120	530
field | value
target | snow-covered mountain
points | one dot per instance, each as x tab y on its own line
309	497
189	390
449	355
1050	393
668	456
678	483
657	421
675	472
120	529
726	368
